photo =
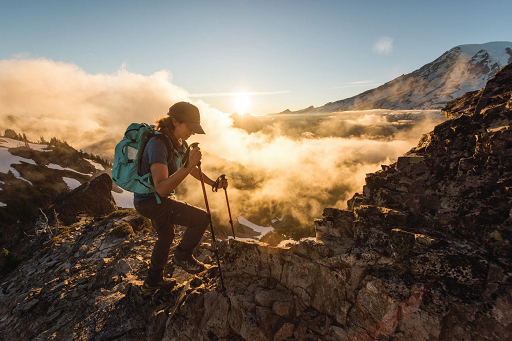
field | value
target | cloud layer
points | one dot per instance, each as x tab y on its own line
273	173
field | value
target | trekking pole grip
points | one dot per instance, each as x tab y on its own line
192	146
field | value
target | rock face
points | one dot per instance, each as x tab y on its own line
423	253
92	198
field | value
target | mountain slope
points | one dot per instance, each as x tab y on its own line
32	175
462	69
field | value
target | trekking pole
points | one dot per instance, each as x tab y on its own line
229	210
193	145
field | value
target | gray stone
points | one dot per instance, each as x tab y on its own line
122	267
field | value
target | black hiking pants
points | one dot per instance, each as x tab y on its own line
163	218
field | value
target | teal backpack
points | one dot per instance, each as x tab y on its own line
127	158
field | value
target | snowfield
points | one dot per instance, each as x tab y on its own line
72	183
7	159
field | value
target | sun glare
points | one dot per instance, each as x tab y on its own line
242	103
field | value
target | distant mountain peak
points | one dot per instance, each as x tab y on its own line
459	70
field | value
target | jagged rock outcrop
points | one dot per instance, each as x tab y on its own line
495	96
465	104
423	253
93	198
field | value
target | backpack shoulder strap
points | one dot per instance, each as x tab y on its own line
166	141
172	152
144	141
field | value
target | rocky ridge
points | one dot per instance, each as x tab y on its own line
423	253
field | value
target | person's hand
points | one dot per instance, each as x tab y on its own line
194	157
223	183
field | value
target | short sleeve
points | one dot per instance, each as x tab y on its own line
156	151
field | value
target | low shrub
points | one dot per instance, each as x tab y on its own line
122	231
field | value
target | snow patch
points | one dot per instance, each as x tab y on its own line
96	165
54	166
2	204
72	183
263	230
7	160
10	143
273	221
124	199
17	175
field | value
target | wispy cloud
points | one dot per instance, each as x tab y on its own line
384	45
21	55
226	94
357	84
363	82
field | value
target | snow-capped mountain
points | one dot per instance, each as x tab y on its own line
463	68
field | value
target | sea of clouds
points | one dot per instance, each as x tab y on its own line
277	171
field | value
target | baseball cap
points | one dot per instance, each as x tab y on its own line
189	114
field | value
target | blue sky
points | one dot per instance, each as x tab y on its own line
287	54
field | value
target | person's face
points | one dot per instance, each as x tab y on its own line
181	130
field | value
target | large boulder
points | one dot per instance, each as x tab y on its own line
93	198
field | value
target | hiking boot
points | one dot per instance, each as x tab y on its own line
190	265
163	284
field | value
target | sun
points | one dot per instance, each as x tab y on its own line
242	103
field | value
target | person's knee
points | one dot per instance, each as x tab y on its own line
204	219
166	233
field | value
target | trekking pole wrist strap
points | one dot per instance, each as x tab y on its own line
215	184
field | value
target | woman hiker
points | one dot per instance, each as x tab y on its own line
168	169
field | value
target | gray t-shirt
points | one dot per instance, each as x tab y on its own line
156	152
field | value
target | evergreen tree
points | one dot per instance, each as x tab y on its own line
9	133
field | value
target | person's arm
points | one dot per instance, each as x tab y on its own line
195	174
165	184
207	180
